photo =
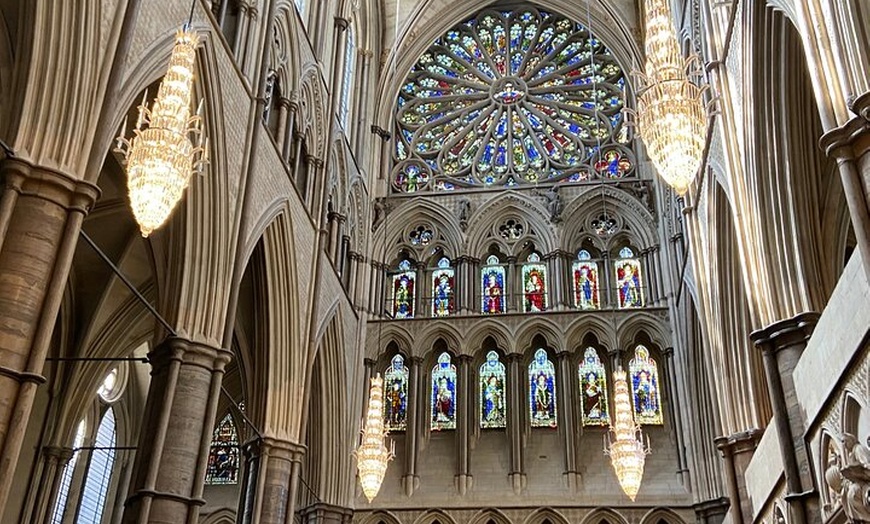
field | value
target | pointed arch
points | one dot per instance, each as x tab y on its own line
605	515
542	514
634	219
504	205
655	515
392	230
532	327
487	515
429	517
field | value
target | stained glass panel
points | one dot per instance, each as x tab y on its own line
403	291
645	387
223	456
396	394
493	404
443	394
493	280
442	289
513	97
534	285
593	389
628	280
542	391
347	82
585	273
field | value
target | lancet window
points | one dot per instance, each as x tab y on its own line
542	390
628	279
99	474
443	289
584	274
534	285
493	403
396	394
593	389
493	286
645	387
443	402
403	289
223	454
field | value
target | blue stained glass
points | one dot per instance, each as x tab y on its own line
645	387
593	389
443	404
493	401
223	455
396	394
542	391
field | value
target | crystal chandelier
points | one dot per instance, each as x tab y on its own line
671	115
625	447
161	158
372	454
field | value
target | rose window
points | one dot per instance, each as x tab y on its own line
508	98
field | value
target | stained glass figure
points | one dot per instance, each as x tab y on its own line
396	394
223	455
443	394
513	97
492	275
403	291
628	280
542	391
493	404
534	285
411	177
645	387
442	289
585	271
593	389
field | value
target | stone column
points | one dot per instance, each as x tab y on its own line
414	423
782	345
567	417
177	426
608	290
238	44
287	144
271	481
711	511
737	451
555	285
315	173
54	461
514	286
676	415
515	422
421	305
322	513
616	359
459	285
41	213
850	146
463	478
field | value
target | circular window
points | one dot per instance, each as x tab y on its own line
112	386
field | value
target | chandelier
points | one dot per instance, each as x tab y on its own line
625	447
671	115
161	157
372	454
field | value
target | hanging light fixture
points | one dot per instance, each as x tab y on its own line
625	446
671	115
372	455
161	158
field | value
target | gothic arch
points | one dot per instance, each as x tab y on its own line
379	337
532	327
641	322
381	516
634	217
499	208
585	324
433	515
312	110
656	515
489	327
390	235
286	59
487	515
220	516
604	515
439	329
432	18
546	514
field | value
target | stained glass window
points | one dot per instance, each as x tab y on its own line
493	404
421	236
585	276
396	394
534	285
403	291
223	455
347	82
645	387
593	389
443	394
512	97
93	501
300	5
442	289
628	279
493	279
542	391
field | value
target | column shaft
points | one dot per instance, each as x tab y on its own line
463	419
270	487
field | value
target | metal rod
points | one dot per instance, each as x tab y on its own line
241	412
103	448
127	283
144	360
